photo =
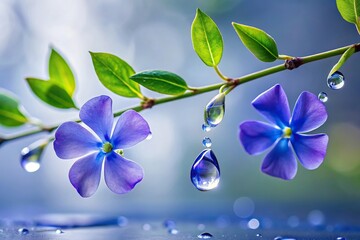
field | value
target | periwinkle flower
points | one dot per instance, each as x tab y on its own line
309	114
99	143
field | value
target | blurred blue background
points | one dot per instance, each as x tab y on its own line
156	35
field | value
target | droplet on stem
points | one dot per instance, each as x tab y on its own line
215	110
336	80
205	172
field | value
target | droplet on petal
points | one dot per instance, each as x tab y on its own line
215	110
205	172
323	97
31	155
336	80
207	142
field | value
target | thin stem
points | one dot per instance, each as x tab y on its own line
222	76
231	83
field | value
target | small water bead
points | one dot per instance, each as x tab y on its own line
59	231
258	235
31	155
173	231
207	142
206	128
336	80
205	172
340	238
205	235
215	110
23	231
323	97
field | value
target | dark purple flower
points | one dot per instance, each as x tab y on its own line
309	114
98	142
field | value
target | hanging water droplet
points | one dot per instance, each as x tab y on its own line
215	110
206	128
149	136
59	231
323	97
336	80
23	231
206	142
205	235
205	172
31	155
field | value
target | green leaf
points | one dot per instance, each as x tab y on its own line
60	73
51	93
342	60
161	82
350	11
206	39
261	44
10	111
114	73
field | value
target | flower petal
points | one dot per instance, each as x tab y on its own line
73	141
256	136
131	128
85	174
310	149
121	175
280	162
274	106
309	113
97	114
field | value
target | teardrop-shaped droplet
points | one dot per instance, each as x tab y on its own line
206	142
215	110
31	155
206	128
205	235
336	80
323	97
205	172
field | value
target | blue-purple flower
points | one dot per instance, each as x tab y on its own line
98	143
309	114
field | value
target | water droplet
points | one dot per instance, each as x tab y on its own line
59	231
258	235
340	238
336	80
205	172
215	110
278	238
323	97
205	235
23	231
173	231
31	155
253	223
284	238
149	136
146	227
206	128
207	142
